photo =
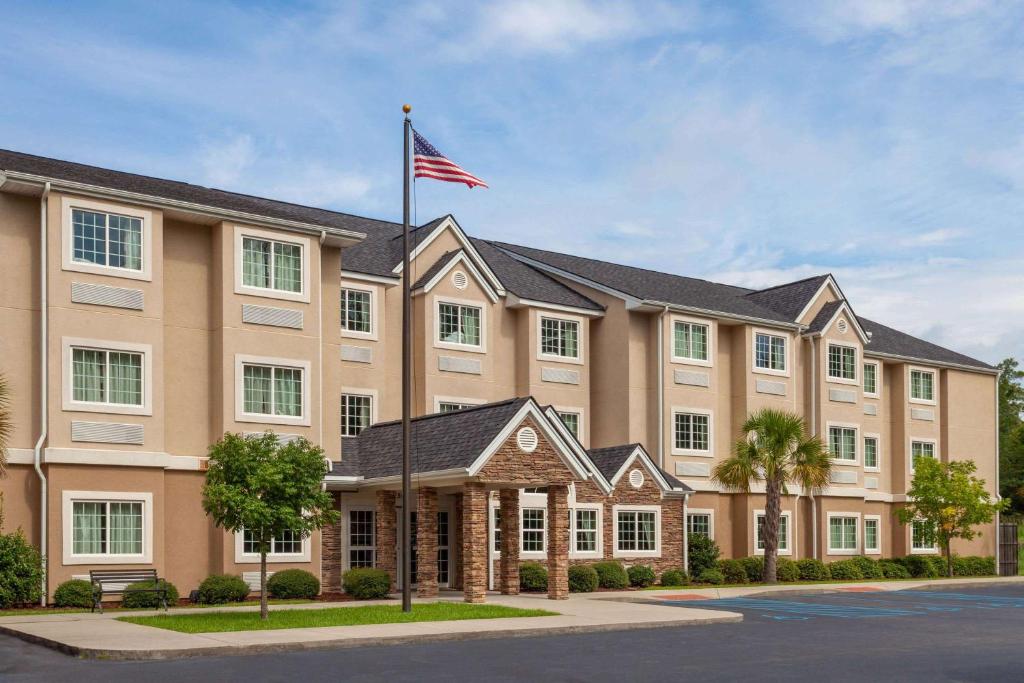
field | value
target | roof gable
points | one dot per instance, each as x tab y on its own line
794	299
446	264
435	229
614	461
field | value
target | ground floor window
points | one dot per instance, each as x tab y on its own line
842	534
698	524
920	530
872	535
107	527
496	528
443	549
585	530
637	531
533	530
783	534
362	545
287	543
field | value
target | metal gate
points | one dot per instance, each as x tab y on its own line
1009	549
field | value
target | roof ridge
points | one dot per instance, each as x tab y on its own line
462	411
790	284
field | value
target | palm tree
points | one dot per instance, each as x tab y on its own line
774	447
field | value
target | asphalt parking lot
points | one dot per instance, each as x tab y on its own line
960	634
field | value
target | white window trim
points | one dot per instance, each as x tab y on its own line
578	411
599	552
268	293
788	353
789	533
532	501
346	508
710	452
681	360
858	538
920	439
878	451
373	334
711	518
242	557
867	550
68	248
68	403
856	363
934	550
857	445
438	400
475	303
373	394
616	509
580	326
935	385
878	379
307	376
68	498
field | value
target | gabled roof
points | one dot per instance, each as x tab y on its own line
446	263
887	341
610	461
792	298
824	317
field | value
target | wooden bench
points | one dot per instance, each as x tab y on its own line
108	581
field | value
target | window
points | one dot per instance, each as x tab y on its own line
922	386
586	531
110	377
842	362
769	352
871	379
355	413
921	449
872	536
533	530
698	524
451	406
458	324
842	443
692	432
871	452
269	264
442	548
102	527
362	544
288	543
571	421
496	528
559	337
690	341
106	239
920	537
842	535
356	315
271	390
637	531
783	534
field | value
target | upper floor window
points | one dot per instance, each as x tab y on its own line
272	390
842	443
106	239
451	406
922	385
459	324
871	452
571	420
269	264
921	449
110	377
690	341
842	362
356	315
692	432
356	411
769	352
559	337
871	379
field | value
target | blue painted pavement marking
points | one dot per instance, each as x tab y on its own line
804	609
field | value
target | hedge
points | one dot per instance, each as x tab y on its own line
73	593
673	577
365	583
138	595
712	576
846	570
533	577
611	575
641	576
733	571
892	569
868	567
221	588
292	584
813	570
703	554
754	567
786	570
582	579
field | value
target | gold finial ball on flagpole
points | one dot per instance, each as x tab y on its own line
406	108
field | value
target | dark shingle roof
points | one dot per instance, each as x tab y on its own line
529	283
438	266
887	340
824	315
789	299
609	460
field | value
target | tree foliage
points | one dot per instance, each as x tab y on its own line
950	500
256	484
775	448
1011	434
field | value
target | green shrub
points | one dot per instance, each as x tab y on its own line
641	576
813	570
221	588
920	566
868	567
973	565
533	577
712	576
673	577
293	584
786	570
611	575
938	564
582	579
365	583
893	570
703	554
138	595
21	571
733	571
846	570
73	593
754	567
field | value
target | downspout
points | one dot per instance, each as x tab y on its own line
814	432
686	537
661	389
320	346
44	420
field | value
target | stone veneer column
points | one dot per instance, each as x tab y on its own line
508	577
330	551
426	542
474	542
386	530
455	545
558	542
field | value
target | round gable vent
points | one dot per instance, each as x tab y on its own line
460	280
526	438
636	479
841	326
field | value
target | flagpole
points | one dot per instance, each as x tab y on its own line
406	376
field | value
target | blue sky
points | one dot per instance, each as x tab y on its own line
746	142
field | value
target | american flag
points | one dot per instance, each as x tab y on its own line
429	163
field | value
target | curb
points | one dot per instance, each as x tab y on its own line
344	643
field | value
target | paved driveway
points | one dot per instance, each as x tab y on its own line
935	635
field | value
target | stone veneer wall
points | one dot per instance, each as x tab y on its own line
330	553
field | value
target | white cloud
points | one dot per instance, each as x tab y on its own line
836	20
225	161
318	185
932	238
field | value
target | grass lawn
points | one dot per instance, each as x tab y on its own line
333	616
78	610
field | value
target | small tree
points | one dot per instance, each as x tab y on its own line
950	500
257	485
